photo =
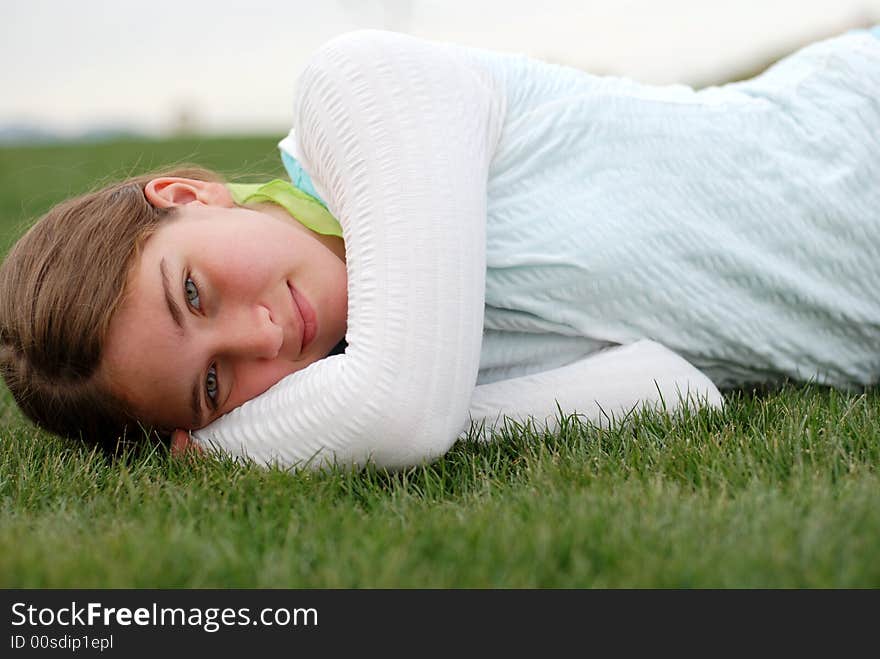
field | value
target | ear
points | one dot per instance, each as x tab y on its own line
169	191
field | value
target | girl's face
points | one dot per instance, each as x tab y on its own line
223	303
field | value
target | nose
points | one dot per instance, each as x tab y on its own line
247	332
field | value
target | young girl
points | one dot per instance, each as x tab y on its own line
514	239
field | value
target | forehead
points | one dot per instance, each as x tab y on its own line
144	355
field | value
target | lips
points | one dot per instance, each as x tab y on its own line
307	316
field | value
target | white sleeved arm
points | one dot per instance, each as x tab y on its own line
601	387
397	135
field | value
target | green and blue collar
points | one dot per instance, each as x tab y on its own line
303	207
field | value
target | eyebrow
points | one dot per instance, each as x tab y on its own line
195	395
173	309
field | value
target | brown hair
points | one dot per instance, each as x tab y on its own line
59	287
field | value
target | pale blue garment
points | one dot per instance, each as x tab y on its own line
736	225
299	178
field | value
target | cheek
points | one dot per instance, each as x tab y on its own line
250	268
239	269
254	378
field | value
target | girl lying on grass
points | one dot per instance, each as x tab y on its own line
514	239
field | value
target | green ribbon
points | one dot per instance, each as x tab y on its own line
302	206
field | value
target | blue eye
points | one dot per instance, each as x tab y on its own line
191	292
211	383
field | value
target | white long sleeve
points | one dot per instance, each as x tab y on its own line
601	388
398	135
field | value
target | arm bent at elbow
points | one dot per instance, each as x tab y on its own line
397	135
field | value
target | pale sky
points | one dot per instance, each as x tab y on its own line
232	64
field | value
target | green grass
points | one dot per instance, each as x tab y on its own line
779	490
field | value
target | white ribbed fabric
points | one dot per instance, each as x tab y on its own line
601	388
398	136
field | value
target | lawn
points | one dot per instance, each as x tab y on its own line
779	490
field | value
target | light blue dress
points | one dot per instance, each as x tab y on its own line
737	225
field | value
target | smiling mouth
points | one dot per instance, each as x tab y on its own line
307	316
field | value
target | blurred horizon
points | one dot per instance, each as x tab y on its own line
96	69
